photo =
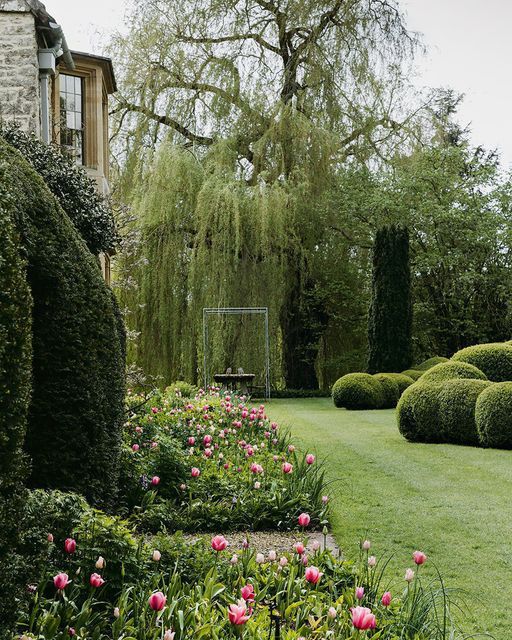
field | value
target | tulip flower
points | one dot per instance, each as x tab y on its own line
409	575
283	561
310	458
419	557
135	447
299	548
195	473
61	581
234	559
331	613
219	543
287	467
260	558
117	612
359	593
386	599
156	556
157	601
237	613
372	561
315	545
312	575
96	580
49	537
169	635
257	485
248	593
70	545
362	618
366	545
100	563
272	555
71	632
304	519
155	481
325	499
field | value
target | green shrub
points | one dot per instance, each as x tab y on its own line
358	391
403	381
413	373
418	413
494	359
431	362
452	370
457	400
390	390
77	406
72	187
182	388
494	416
15	374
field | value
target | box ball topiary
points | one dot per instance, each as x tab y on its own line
494	416
413	373
403	381
494	359
457	401
418	412
452	370
390	390
431	362
358	391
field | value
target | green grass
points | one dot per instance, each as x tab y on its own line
454	503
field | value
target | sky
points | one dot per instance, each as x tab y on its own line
468	41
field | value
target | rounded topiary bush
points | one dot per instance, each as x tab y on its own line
358	391
403	381
452	370
494	359
494	416
390	389
77	406
457	400
418	413
431	362
413	373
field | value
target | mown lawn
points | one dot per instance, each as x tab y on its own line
454	503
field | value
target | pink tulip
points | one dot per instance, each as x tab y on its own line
191	441
386	599
409	575
155	481
372	561
69	545
237	613
419	557
310	458
219	543
157	601
49	537
299	548
312	575
304	559
195	473
96	580
169	635
291	448
135	447
366	545
61	581
362	618
331	613
304	519
71	632
325	499
248	593
359	593
287	467
256	468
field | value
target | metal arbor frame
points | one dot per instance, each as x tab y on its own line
220	311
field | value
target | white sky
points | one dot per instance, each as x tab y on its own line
469	43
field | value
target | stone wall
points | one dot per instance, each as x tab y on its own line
19	71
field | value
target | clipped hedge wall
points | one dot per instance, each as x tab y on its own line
452	370
77	406
457	400
358	391
15	385
494	416
494	359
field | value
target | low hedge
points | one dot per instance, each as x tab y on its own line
431	362
456	402
494	416
494	359
358	391
451	371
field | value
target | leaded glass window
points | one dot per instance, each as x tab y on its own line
71	117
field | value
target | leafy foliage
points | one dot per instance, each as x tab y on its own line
72	187
358	391
494	416
390	316
495	360
452	370
457	400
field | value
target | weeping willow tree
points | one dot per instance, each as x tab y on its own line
233	122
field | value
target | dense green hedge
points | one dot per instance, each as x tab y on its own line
402	380
494	416
451	371
358	391
413	373
494	359
418	413
15	358
70	184
77	405
431	362
457	400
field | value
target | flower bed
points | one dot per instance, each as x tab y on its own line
215	463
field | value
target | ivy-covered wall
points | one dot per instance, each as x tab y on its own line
76	409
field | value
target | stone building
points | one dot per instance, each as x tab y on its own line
58	94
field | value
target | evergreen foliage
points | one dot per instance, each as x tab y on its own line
390	390
413	373
457	400
15	385
390	316
418	413
358	391
451	371
431	362
494	416
77	405
70	184
494	359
